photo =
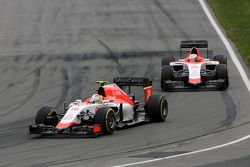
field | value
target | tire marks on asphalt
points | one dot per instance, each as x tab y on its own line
160	6
34	87
231	109
65	88
113	57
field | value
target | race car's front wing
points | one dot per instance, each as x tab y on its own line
74	130
207	84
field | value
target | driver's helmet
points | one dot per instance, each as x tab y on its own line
193	57
96	98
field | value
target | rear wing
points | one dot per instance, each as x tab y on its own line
192	44
131	81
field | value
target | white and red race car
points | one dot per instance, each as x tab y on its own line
194	71
109	108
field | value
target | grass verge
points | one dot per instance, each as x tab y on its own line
234	16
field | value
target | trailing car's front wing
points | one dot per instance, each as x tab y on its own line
169	84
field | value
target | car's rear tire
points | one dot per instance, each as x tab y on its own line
106	117
167	60
47	116
221	73
157	108
166	74
221	59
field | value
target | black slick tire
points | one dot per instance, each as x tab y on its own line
106	117
47	116
157	108
166	74
167	60
221	73
221	59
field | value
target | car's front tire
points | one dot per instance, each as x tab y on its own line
47	116
221	73
105	116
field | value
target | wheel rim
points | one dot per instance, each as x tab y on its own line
111	121
164	109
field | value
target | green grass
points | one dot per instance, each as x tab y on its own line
234	16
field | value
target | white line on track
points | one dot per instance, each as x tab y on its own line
244	78
189	153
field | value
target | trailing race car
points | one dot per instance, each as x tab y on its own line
194	71
109	108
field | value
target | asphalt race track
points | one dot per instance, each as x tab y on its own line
54	51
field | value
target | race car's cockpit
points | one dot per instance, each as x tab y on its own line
96	98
